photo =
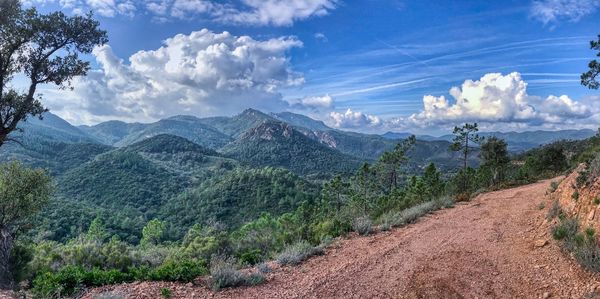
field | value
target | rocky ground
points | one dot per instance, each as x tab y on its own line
496	246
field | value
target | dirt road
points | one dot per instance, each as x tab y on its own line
481	249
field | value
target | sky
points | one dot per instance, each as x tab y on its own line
370	65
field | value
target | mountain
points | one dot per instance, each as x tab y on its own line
517	141
188	127
299	120
113	131
279	144
238	124
51	128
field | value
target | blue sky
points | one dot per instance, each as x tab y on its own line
361	65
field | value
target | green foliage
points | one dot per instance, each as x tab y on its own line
153	233
589	78
23	192
239	196
575	195
494	155
166	293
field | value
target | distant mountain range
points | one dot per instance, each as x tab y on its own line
517	141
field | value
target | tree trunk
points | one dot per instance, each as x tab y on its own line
6	246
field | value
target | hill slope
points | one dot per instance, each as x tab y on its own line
482	249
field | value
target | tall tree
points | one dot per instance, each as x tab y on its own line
433	181
364	181
494	154
464	137
589	78
43	47
23	192
392	160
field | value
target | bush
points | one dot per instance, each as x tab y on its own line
184	271
554	210
553	187
224	273
362	225
410	215
566	231
298	252
166	293
575	195
70	279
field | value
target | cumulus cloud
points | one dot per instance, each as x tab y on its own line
313	102
278	12
551	11
242	12
354	120
203	73
495	98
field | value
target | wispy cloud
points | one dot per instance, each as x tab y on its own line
244	12
552	11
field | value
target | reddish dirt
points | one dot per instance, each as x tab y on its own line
481	249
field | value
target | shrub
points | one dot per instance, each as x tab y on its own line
541	206
264	268
554	210
296	253
566	231
410	215
597	200
575	195
250	257
362	225
166	293
582	178
553	187
185	271
224	273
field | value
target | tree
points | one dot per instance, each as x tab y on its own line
494	154
23	192
153	233
463	137
392	160
333	192
43	47
433	181
364	184
589	78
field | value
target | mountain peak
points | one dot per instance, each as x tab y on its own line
269	130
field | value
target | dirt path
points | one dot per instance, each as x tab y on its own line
481	249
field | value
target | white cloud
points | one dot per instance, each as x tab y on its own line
321	37
494	99
313	102
278	12
354	120
242	12
550	11
203	73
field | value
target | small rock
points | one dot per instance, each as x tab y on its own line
591	215
540	243
189	284
546	295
